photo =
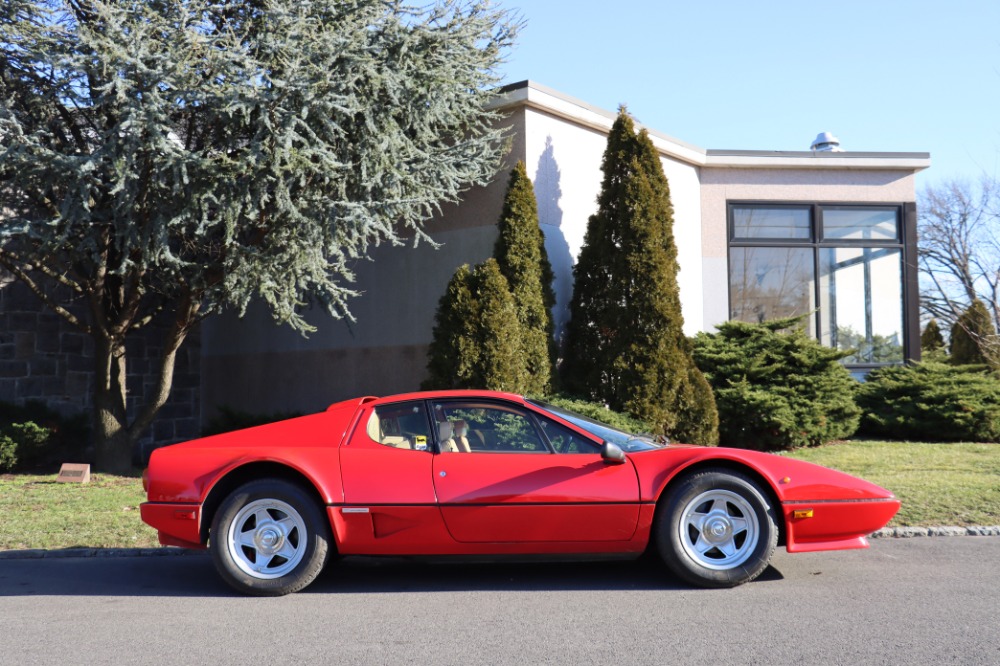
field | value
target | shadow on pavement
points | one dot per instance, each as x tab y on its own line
195	576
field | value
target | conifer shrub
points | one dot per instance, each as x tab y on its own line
932	402
523	261
22	444
599	412
8	453
970	335
776	388
625	345
931	339
40	437
477	337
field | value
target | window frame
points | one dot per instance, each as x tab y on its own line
432	444
906	242
487	403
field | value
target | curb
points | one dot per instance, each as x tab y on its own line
909	532
42	554
39	554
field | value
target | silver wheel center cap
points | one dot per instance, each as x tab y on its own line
268	539
717	529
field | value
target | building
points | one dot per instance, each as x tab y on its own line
760	234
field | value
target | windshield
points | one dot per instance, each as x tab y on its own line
628	442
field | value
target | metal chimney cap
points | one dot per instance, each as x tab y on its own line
826	142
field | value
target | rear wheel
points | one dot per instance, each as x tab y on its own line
717	529
269	538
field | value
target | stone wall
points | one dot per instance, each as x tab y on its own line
42	357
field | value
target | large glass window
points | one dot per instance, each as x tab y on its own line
861	303
841	264
786	222
771	282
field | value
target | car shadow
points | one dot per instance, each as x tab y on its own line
195	576
384	575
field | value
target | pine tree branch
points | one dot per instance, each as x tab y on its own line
7	262
45	270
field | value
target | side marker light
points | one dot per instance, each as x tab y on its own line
802	513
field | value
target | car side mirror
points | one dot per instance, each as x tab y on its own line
612	453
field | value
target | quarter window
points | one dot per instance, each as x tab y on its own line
402	425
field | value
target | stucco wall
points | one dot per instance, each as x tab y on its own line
721	185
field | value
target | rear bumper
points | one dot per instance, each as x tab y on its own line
835	525
177	524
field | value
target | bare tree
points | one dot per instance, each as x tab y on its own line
959	251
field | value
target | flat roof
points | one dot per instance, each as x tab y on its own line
534	95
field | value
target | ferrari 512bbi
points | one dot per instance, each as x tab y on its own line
479	473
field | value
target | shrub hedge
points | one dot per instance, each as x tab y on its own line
932	401
33	436
599	412
776	388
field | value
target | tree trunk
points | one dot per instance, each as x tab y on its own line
113	442
115	435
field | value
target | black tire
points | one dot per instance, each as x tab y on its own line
269	538
716	528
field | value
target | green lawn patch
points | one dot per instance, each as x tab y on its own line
938	484
40	513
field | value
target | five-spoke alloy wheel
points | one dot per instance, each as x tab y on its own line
269	538
716	529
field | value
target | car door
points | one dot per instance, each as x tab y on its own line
389	502
510	485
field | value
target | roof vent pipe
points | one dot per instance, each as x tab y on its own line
826	143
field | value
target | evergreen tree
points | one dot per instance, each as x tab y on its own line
521	257
931	340
453	350
971	335
502	365
477	337
188	156
625	344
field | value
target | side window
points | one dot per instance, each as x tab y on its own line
564	440
401	425
471	427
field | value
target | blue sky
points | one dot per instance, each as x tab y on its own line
882	75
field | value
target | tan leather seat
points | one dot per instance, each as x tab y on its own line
461	429
397	442
375	432
446	432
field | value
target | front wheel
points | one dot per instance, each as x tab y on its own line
269	538
717	529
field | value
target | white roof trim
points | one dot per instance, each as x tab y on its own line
536	96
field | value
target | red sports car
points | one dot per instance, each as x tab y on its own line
483	473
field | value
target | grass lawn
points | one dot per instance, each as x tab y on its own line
938	484
40	513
